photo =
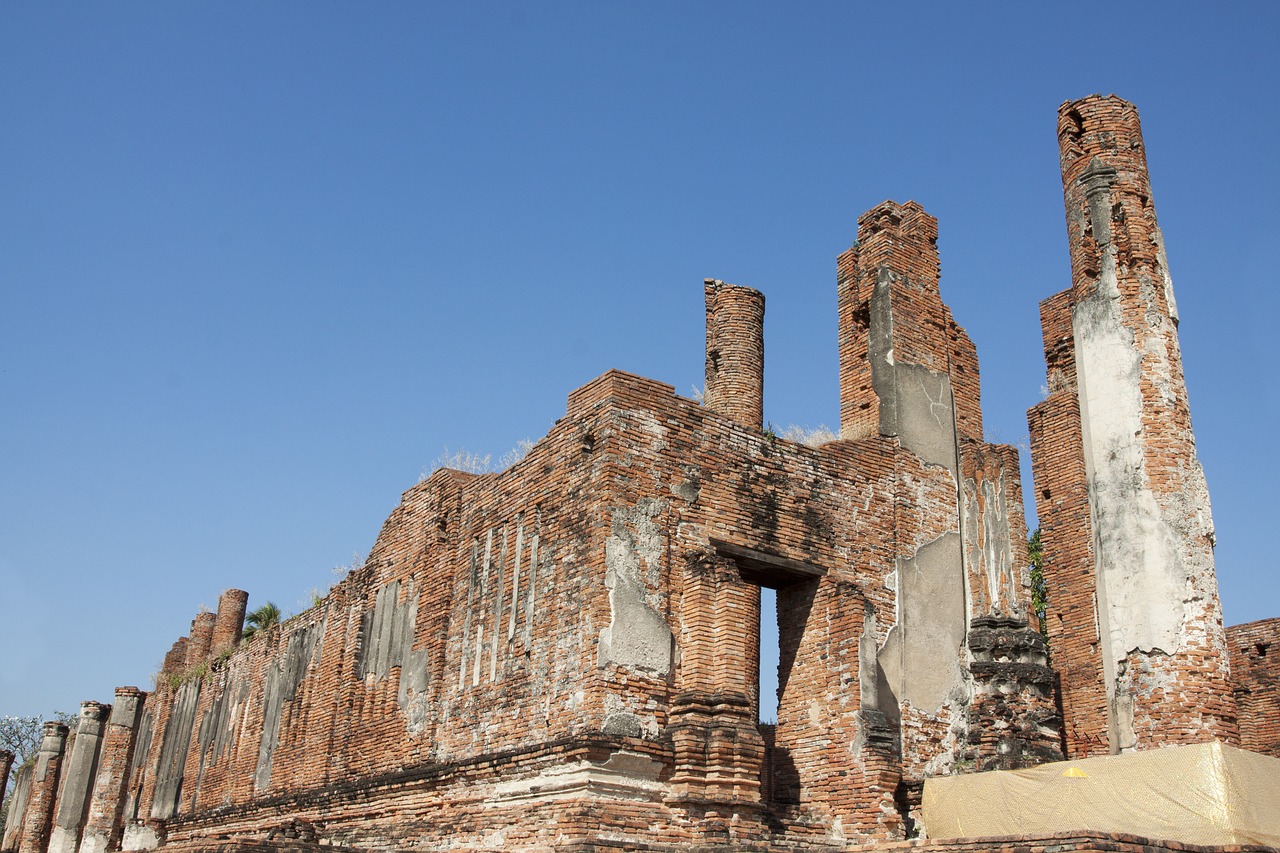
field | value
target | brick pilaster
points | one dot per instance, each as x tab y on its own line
42	799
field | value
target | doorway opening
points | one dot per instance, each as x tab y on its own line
787	589
769	631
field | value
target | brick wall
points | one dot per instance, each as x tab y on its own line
571	648
1066	532
544	607
1255	674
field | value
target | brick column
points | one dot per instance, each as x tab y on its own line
1066	532
1158	619
104	825
229	623
201	639
735	352
80	770
175	660
16	815
6	762
714	717
157	710
38	824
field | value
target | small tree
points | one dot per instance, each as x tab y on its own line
1039	600
22	737
266	616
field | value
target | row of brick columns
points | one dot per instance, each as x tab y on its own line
74	800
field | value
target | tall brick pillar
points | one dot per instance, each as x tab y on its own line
105	821
201	639
79	774
1062	505
43	795
909	372
157	712
228	625
1155	619
735	352
896	342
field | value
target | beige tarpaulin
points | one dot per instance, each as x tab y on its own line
1203	794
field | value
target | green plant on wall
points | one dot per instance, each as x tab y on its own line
1039	601
266	616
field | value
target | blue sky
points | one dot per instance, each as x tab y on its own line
261	263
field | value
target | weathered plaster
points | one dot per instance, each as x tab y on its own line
81	767
173	749
922	653
389	633
1138	559
988	549
638	635
915	402
282	681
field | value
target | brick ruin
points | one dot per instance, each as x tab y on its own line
565	655
1124	508
1255	675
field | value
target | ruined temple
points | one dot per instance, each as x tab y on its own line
565	655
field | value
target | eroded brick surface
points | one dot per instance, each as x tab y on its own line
1255	671
1126	525
42	795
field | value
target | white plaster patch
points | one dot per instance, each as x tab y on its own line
638	636
139	836
1137	557
624	775
620	710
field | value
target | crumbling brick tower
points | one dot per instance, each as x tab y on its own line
1135	624
908	371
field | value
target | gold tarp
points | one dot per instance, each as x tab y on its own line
1203	794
